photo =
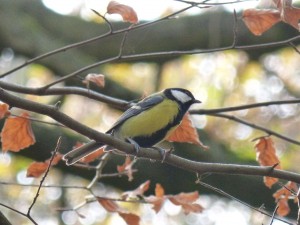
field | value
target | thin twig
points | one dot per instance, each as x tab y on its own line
294	47
243	107
270	132
106	20
219	191
43	186
39	121
273	215
99	169
123	173
117	103
3	219
142	56
79	44
235	29
13	209
44	177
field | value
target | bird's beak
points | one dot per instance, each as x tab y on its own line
196	101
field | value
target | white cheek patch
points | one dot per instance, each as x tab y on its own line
181	96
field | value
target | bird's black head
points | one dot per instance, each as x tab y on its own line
181	96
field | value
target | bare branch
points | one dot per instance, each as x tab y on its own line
273	215
43	178
189	165
99	169
270	132
142	56
117	103
242	107
17	211
219	191
79	44
4	220
294	47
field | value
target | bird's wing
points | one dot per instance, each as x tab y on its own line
137	109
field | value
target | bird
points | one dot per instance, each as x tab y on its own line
145	124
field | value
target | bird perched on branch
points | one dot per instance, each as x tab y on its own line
145	124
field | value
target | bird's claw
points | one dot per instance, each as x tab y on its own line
163	152
135	146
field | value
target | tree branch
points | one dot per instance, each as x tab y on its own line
268	131
117	103
189	165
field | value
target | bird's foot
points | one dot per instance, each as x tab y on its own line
135	145
163	152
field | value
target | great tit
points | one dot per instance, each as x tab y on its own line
146	123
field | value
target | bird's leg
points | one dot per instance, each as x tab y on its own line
135	145
163	152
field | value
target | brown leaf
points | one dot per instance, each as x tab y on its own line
270	181
185	200
157	202
109	205
128	14
283	207
260	20
159	191
98	79
4	110
17	133
112	206
266	156
186	132
288	13
127	166
283	195
139	191
36	169
130	218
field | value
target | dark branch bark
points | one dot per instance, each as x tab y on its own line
192	166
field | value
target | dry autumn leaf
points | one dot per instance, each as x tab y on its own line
128	14
186	201
260	20
4	110
138	192
98	79
17	133
127	166
158	200
159	190
130	218
186	132
108	204
283	195
36	169
288	13
266	156
112	206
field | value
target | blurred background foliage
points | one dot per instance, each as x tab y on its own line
218	79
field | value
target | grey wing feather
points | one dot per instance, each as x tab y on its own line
82	151
137	109
78	153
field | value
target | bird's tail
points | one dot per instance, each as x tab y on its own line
78	153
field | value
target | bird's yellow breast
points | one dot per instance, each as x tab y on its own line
149	121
